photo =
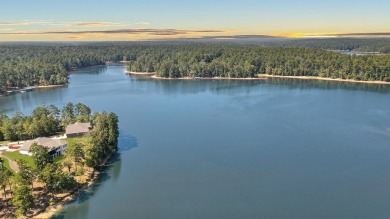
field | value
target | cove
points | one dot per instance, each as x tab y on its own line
276	148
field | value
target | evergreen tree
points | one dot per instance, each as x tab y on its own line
23	200
40	155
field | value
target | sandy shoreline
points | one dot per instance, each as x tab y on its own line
261	77
140	73
324	79
264	77
154	76
48	86
52	210
71	196
206	78
31	88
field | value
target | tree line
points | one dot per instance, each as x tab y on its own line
381	45
43	122
58	177
240	61
23	65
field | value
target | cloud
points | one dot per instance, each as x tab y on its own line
142	23
118	31
318	35
240	37
70	24
22	23
11	23
115	34
97	24
376	34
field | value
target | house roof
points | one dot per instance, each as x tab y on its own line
78	128
47	142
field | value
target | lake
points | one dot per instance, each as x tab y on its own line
276	148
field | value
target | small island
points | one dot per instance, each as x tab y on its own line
52	156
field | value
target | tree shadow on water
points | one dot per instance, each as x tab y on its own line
126	142
110	172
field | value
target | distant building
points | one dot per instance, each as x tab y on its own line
77	129
56	146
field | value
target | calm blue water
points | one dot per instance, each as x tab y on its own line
233	149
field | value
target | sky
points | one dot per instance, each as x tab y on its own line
92	20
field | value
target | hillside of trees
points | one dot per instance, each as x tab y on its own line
23	65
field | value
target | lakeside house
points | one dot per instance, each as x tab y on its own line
56	146
77	129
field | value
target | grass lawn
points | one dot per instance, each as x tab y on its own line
71	140
6	164
59	159
17	156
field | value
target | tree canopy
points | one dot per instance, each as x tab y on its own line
44	121
23	65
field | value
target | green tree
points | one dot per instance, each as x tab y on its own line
68	164
49	177
40	155
75	151
53	111
65	182
103	138
26	174
113	132
23	200
5	175
8	130
67	115
2	119
55	180
83	112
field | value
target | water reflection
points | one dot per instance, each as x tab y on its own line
231	86
22	101
172	87
93	70
111	172
328	85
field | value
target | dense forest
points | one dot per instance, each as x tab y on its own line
381	45
23	65
238	61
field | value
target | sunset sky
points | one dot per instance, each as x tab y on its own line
71	20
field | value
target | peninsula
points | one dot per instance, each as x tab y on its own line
52	157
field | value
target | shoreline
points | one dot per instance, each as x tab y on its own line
259	77
154	76
141	73
324	79
205	78
31	88
69	197
48	86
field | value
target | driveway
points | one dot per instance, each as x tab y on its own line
12	163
